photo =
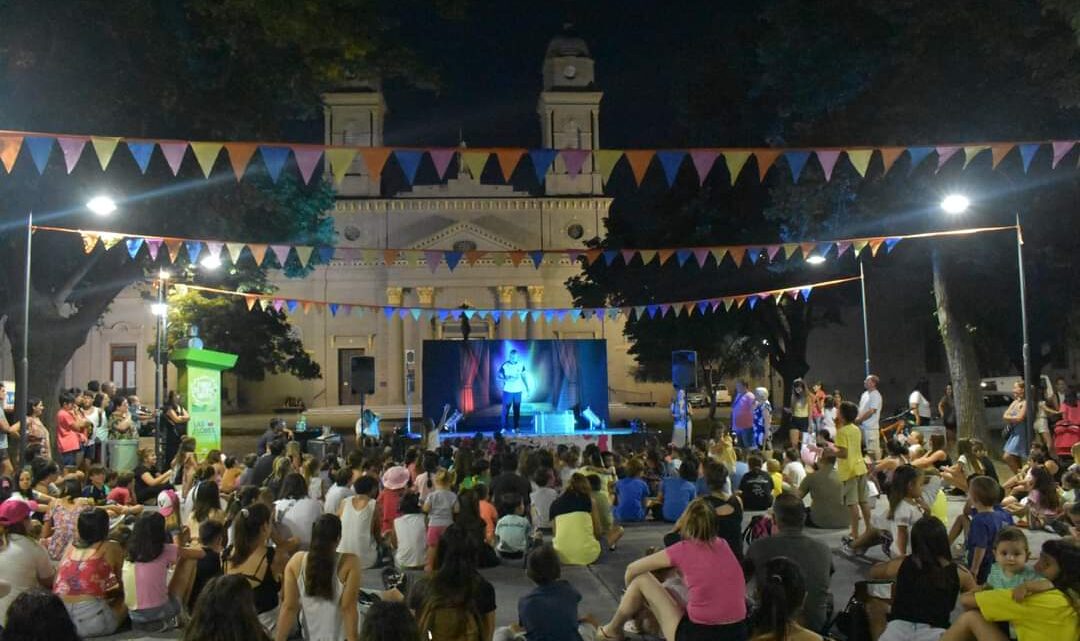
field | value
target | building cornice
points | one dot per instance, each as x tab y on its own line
599	204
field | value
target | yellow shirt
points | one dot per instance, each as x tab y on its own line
777	483
850	437
1046	616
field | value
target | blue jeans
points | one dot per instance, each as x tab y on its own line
69	458
511	400
746	438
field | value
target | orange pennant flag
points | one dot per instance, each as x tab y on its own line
375	160
765	160
390	256
591	255
516	257
89	242
9	150
998	153
639	162
508	161
307	306
737	254
889	156
665	255
474	255
250	301
240	154
875	244
174	249
258	252
739	300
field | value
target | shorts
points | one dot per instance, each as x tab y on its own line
434	533
872	441
163	613
854	491
690	631
1041	426
69	459
907	631
93	618
800	423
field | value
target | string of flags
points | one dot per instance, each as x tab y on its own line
264	302
265	254
39	147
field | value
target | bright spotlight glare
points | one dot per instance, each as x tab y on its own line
816	259
101	205
210	261
955	204
159	309
164	275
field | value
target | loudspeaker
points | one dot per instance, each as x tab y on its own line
410	359
684	369
362	374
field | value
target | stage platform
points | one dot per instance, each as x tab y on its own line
581	438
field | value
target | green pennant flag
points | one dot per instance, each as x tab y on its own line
735	160
475	162
606	160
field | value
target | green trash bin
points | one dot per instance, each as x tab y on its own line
123	455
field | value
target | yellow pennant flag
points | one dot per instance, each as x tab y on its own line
303	252
340	159
647	256
475	161
89	242
110	240
234	250
9	150
606	159
858	246
860	159
735	160
728	302
104	146
719	253
206	153
971	152
790	249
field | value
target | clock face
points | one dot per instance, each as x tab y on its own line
569	71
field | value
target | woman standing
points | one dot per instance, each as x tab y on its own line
1016	445
947	409
800	413
762	419
176	420
918	404
120	426
37	433
88	578
574	523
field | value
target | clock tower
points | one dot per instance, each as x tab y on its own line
569	110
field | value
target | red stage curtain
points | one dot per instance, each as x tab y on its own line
470	364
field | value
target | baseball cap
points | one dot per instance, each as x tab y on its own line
166	502
14	511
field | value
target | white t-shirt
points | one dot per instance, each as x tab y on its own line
541	501
828	422
297	517
22	563
906	514
794	473
334	496
411	533
870	399
917	399
513	376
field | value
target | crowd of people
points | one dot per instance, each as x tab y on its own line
274	544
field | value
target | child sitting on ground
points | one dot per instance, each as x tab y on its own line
775	474
756	486
1042	504
602	506
631	494
542	497
410	533
123	492
550	610
512	532
794	471
985	520
96	490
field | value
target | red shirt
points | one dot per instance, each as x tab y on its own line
68	438
742	412
120	496
490	516
388	503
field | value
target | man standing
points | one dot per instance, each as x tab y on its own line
511	377
813	557
742	415
6	468
869	417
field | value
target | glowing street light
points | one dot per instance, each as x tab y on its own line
210	262
816	259
159	309
164	275
955	204
101	205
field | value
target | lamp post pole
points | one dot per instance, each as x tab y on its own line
865	317
22	386
1029	383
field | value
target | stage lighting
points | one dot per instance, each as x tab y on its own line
101	205
816	259
592	418
955	204
210	261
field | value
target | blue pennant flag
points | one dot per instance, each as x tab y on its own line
753	253
796	160
1027	152
40	148
890	243
469	313
389	311
918	154
682	255
702	306
548	315
194	248
133	246
409	161
274	158
671	161
652	310
415	311
291	304
805	291
522	313
326	253
752	301
333	309
495	314
452	258
537	258
609	256
443	314
141	152
541	161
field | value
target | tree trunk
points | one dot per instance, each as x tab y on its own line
960	352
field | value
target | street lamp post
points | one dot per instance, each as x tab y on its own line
160	309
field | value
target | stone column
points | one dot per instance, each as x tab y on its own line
426	297
535	295
504	301
395	350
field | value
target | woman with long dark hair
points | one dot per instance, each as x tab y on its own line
225	611
39	614
295	510
454	602
176	418
88	578
389	621
321	586
206	505
780	600
250	556
153	600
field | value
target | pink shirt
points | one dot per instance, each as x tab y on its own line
146	585
67	438
714	580
742	412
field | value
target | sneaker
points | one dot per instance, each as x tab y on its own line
631	627
886	546
847	539
848	550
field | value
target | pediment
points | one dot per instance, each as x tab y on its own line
465	231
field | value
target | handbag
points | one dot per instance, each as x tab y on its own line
852	624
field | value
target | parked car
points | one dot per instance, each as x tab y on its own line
700	398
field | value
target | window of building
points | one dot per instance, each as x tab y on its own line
122	368
575	231
464	246
352	232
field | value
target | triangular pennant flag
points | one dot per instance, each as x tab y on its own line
628	255
805	291
827	158
1061	148
441	158
823	249
89	241
665	254
375	159
703	160
326	253
1027	152
796	160
606	160
765	160
972	151
390	256
998	153
735	161
739	301
610	256
152	247
753	253
670	161
841	247
206	154
240	154
40	147
860	159
274	158
266	304
737	254
522	313
944	154
682	255
213	249
918	154
508	161
141	152
409	161
234	250
890	243
574	159
340	159
537	258
452	258
250	301
72	148
701	255
333	308
109	240
541	161
194	248
174	154
790	249
647	256
133	246
516	257
258	252
728	302
875	244
475	161
104	146
639	160
306	305
858	246
807	249
415	313
173	247
752	301
889	156
307	158
474	255
291	304
281	253
771	251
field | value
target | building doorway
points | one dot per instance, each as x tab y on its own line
346	394
122	368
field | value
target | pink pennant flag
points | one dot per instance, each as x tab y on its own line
174	154
1060	150
152	246
72	148
827	158
441	159
944	154
307	158
628	255
432	258
842	247
214	248
703	160
772	251
574	160
701	254
281	252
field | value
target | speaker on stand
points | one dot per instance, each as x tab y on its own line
683	379
362	381
410	385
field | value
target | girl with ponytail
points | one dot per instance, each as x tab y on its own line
249	556
780	600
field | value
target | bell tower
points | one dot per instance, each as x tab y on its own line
569	110
353	116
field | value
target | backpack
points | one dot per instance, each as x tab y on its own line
759	527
